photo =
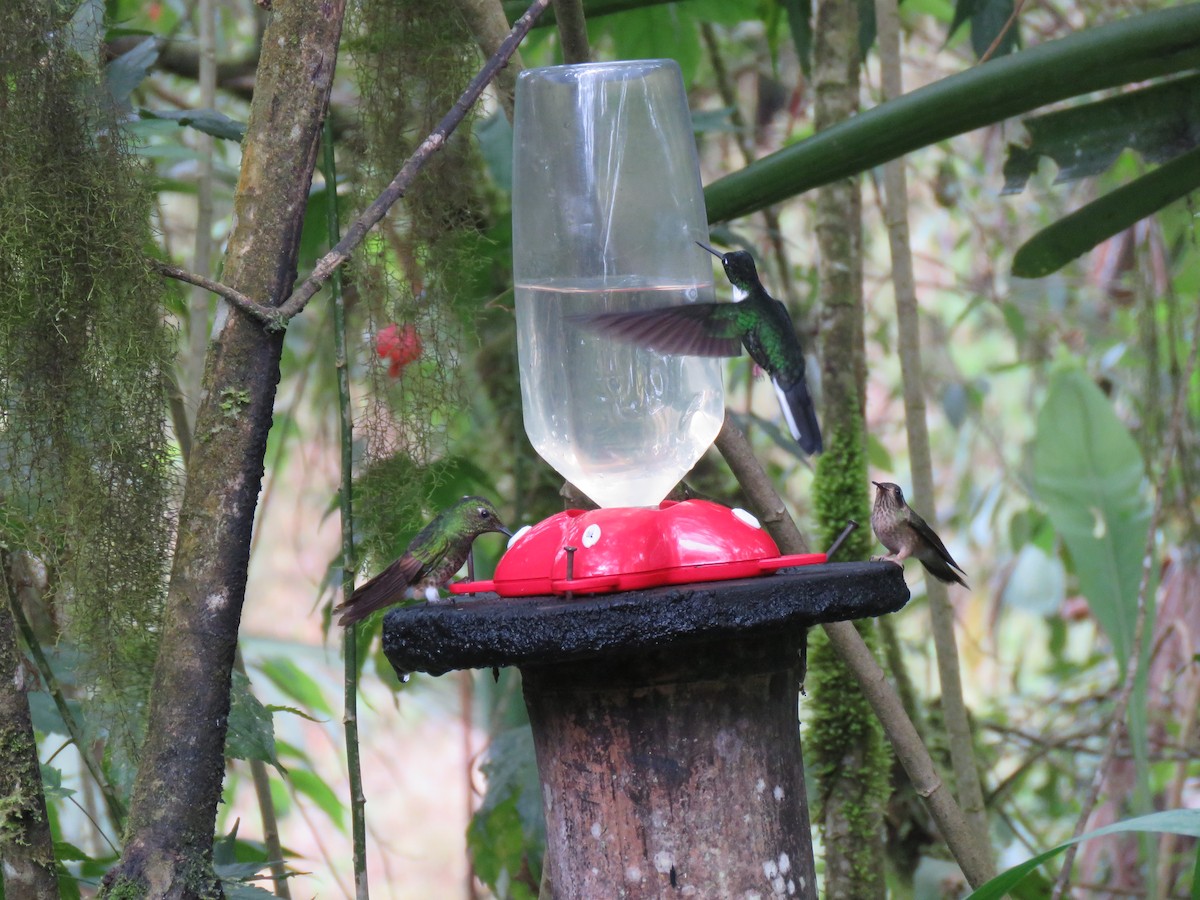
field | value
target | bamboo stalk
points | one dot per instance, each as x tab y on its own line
358	820
958	728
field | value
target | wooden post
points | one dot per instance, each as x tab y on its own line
665	722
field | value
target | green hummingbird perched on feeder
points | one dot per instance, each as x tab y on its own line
757	321
906	534
433	556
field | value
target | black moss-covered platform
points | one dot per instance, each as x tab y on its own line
485	630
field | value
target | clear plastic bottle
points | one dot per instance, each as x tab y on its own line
607	207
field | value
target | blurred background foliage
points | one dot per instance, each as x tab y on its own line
1055	340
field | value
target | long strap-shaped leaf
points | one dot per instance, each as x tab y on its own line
1178	821
1134	49
1053	247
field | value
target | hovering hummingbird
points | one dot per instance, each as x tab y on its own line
434	555
906	534
758	321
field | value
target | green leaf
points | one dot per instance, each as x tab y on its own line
312	786
251	730
52	783
508	830
209	121
1175	821
656	32
988	21
295	683
45	714
1133	49
1089	474
275	707
126	72
1071	236
799	17
1159	122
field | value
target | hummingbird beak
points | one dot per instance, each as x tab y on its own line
711	250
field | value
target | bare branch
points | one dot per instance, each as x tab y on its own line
241	301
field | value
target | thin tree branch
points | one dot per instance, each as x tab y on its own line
241	301
975	861
357	231
1121	706
958	728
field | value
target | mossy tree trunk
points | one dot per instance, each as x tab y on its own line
168	849
26	849
846	747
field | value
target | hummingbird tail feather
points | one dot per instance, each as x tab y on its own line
942	571
386	588
800	414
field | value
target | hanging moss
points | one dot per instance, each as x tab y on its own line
412	59
845	747
85	469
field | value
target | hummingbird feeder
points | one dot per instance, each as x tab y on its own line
660	669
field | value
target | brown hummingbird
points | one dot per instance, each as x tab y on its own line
433	556
906	534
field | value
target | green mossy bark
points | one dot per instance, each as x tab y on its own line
846	750
26	848
168	852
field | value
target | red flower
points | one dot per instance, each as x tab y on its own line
400	344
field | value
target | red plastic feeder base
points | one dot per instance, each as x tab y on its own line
631	548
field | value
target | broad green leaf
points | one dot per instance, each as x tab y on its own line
312	786
45	714
1175	821
509	828
52	784
1159	122
251	730
125	73
239	890
209	121
1133	49
1089	475
656	32
295	683
1071	236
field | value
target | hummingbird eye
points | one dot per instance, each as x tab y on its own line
484	514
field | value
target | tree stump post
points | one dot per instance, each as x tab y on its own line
665	722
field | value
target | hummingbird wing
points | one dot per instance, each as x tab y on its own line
386	588
933	553
690	329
